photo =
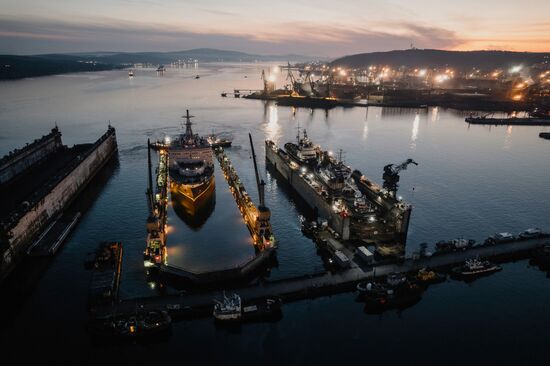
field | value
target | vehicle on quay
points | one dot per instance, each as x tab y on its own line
533	233
500	238
454	244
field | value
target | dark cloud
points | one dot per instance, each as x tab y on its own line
23	36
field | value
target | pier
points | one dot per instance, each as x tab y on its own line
324	284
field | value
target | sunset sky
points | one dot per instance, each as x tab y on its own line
320	28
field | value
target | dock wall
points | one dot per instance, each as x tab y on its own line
19	160
40	213
323	209
223	275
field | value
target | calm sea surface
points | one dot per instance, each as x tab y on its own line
471	181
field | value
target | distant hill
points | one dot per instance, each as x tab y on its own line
461	60
200	54
15	67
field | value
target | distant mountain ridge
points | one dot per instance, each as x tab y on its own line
462	60
200	54
16	67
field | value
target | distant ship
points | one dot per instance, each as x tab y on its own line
191	170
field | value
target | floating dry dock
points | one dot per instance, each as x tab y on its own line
37	183
322	284
256	219
355	207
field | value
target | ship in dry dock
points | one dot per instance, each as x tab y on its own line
191	170
355	207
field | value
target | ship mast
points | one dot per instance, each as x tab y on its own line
188	130
260	184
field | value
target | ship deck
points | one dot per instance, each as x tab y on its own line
37	181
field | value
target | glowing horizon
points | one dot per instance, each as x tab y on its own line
306	27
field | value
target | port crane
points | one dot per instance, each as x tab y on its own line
391	175
262	226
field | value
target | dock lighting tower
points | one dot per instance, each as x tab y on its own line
391	176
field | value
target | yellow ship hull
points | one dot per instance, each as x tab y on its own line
193	203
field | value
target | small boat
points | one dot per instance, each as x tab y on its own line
140	324
475	267
371	287
161	68
130	74
379	297
396	279
426	276
309	228
197	77
229	309
224	94
216	141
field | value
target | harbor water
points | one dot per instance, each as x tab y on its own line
471	181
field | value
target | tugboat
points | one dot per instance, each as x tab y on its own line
140	324
303	150
191	171
228	310
216	141
475	267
